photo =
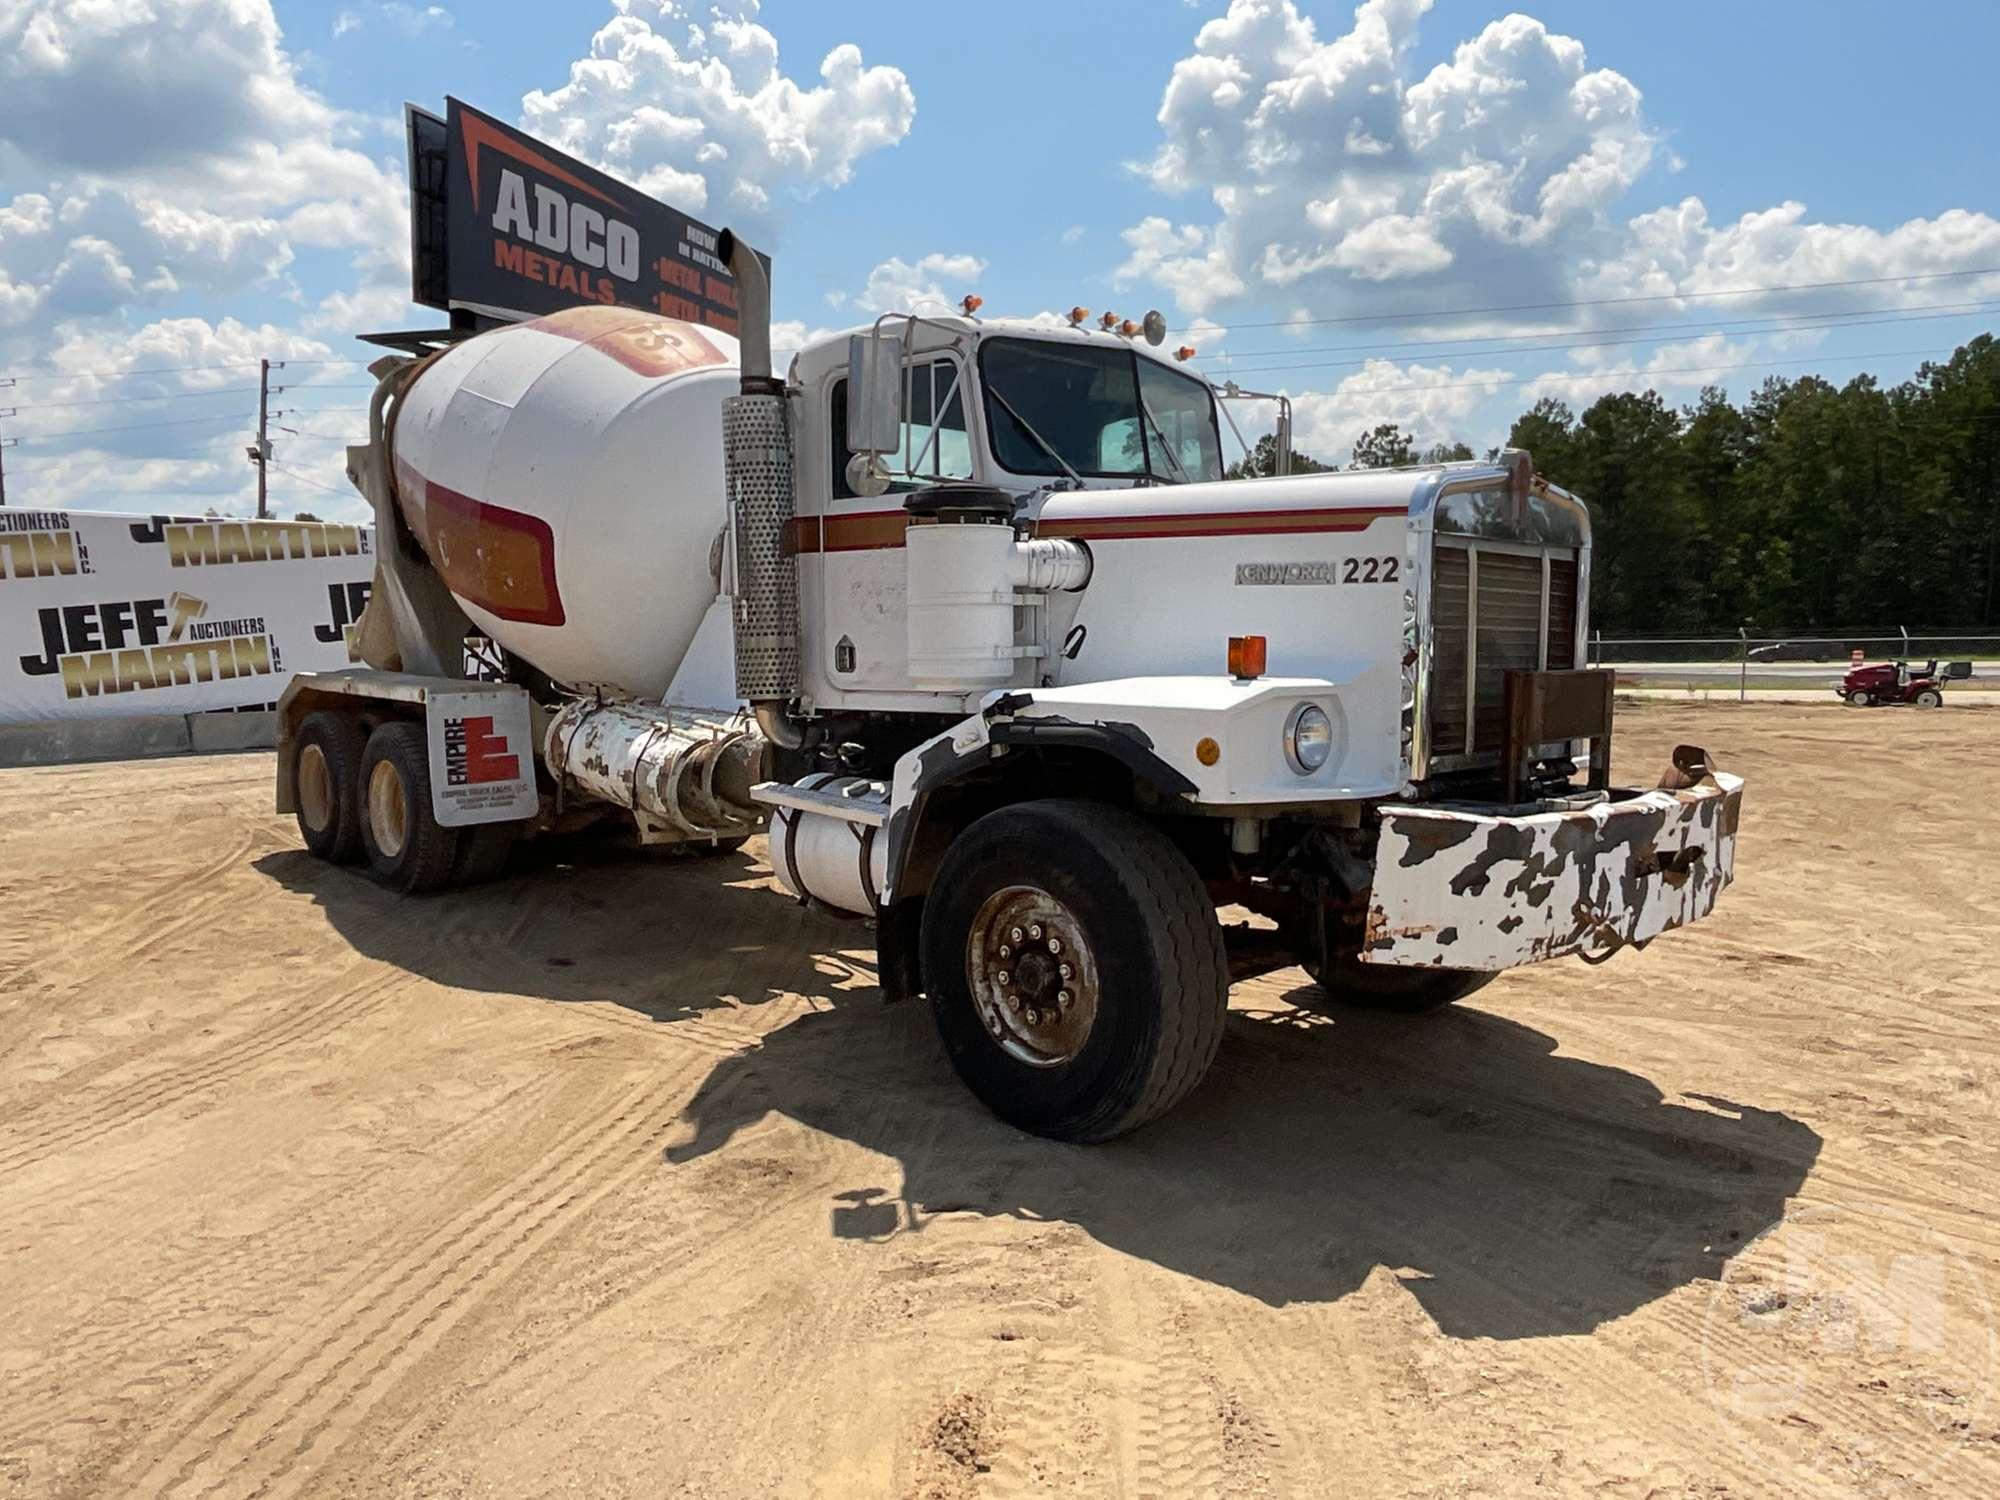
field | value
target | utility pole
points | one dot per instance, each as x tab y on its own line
262	457
5	444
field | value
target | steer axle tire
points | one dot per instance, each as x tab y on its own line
326	769
408	850
1346	981
1075	968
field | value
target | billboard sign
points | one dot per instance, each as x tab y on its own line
527	230
103	615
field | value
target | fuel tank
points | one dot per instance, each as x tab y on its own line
564	476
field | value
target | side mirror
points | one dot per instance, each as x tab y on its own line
874	393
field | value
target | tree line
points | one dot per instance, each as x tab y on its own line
1810	507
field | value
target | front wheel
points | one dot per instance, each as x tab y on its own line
1075	968
1930	698
1861	700
1345	980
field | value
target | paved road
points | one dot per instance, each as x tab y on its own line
1984	671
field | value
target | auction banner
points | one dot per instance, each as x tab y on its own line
105	614
530	231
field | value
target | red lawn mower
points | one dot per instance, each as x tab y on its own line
1898	682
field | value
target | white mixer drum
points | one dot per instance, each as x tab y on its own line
564	476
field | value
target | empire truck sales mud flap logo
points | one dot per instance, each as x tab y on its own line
40	544
137	645
1856	1344
482	756
194	543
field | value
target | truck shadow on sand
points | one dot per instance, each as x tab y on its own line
1516	1193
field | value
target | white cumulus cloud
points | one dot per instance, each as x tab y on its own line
1340	179
689	103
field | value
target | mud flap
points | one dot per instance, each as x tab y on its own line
1467	891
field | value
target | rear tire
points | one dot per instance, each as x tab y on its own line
326	767
1130	1030
1346	982
482	853
408	850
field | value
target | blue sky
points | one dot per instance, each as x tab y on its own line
187	187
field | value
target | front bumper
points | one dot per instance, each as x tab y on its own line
1466	891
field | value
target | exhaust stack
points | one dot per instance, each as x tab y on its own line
757	461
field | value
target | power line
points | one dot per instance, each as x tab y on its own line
240	364
1671	338
1779	323
1518	307
1614	376
70	432
230	390
301	477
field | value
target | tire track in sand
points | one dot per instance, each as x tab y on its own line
65	1129
301	1392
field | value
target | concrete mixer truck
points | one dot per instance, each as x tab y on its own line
963	615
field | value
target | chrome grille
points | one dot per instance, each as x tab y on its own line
1525	601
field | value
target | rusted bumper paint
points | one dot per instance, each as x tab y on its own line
1466	891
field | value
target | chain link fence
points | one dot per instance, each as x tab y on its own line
1803	661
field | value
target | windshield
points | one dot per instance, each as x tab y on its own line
1098	411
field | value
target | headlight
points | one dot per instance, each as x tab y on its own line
1308	738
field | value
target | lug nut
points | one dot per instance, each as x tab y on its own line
1005	951
1063	999
1035	931
1065	970
1015	934
1003	976
1034	1016
1055	945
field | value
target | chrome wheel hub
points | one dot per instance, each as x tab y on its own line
315	781
1033	976
385	809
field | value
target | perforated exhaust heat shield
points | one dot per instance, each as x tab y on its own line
757	458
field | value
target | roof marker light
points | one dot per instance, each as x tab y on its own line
1184	353
1108	322
1128	329
1077	315
971	304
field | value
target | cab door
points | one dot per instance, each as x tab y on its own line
853	547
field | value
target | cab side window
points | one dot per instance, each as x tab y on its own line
935	443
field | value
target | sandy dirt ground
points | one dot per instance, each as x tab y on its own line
620	1179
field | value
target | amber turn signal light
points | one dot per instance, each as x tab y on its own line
1246	656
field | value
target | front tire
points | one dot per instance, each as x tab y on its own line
1861	700
1930	698
1075	968
1346	981
408	849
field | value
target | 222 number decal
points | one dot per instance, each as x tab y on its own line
1371	570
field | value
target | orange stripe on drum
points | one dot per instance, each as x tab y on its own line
503	561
